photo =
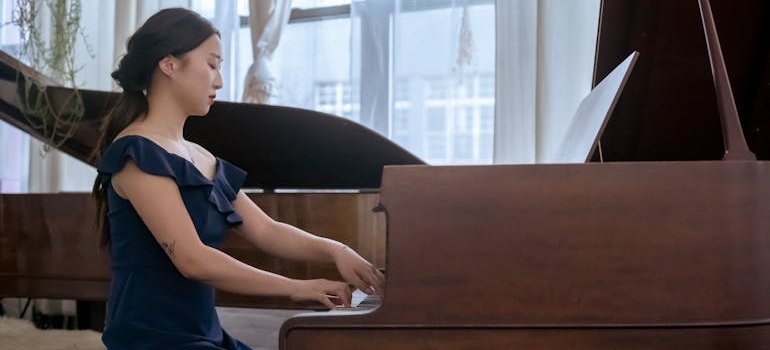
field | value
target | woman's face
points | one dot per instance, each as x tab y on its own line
198	78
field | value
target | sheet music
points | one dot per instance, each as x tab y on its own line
591	116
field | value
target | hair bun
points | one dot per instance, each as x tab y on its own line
171	31
130	75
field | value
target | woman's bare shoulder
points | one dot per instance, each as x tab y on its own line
133	131
201	150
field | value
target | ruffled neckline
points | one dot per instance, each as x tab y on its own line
133	146
153	159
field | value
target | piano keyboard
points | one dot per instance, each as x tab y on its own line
362	301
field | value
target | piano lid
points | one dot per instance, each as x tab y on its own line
668	110
280	147
284	147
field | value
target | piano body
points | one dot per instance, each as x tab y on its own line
332	166
662	245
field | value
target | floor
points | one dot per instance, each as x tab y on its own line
257	328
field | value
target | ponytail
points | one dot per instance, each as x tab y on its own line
130	106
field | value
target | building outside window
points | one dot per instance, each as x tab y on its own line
439	114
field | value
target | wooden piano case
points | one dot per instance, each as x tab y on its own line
656	244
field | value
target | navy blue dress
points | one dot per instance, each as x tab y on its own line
151	305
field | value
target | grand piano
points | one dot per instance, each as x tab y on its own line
656	243
316	171
661	241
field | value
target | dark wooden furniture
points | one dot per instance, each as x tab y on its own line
49	249
48	245
663	245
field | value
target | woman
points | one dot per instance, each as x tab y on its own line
166	203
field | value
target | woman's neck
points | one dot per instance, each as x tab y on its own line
164	119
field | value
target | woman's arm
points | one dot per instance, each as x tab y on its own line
292	243
158	202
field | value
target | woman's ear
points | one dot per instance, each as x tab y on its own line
167	65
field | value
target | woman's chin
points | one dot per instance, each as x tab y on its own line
200	113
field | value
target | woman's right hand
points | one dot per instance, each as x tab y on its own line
322	290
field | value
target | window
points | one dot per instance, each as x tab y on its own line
310	57
436	146
438	111
436	89
463	146
334	98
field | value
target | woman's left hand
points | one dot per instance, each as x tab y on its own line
357	271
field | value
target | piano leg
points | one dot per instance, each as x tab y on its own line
91	314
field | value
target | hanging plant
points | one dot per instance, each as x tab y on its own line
51	59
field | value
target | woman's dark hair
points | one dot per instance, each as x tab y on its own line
172	31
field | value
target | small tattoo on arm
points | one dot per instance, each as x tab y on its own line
169	248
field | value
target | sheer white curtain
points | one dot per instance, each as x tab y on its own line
370	63
422	73
14	144
266	21
14	153
544	67
227	21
